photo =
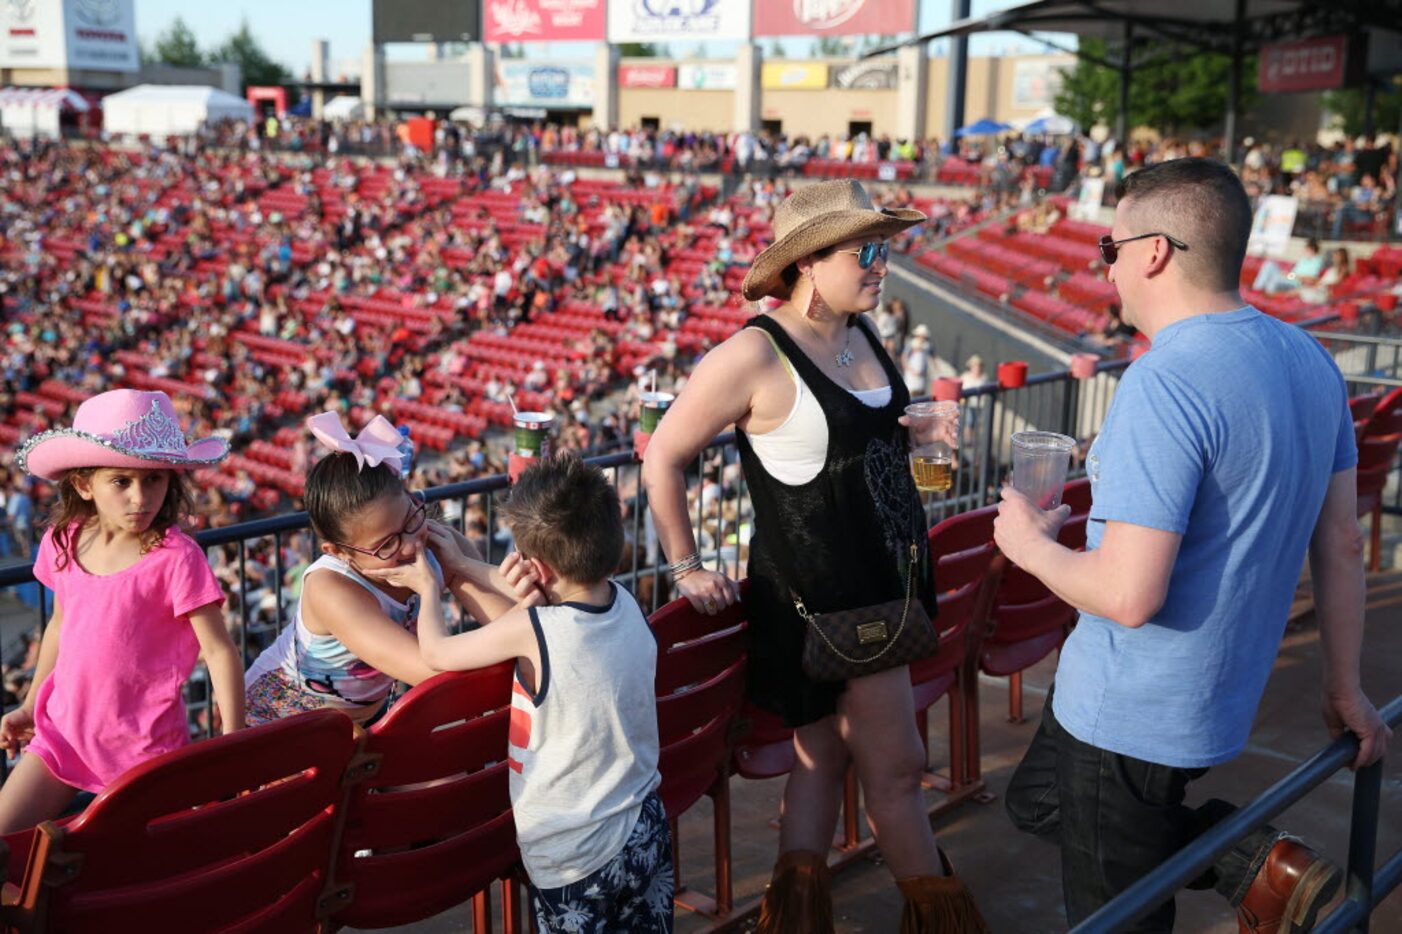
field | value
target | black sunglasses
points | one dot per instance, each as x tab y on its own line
870	253
413	521
1110	249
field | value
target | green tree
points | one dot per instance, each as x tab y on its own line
638	50
1171	91
831	47
777	50
1347	107
258	67
177	46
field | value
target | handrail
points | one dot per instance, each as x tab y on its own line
1365	887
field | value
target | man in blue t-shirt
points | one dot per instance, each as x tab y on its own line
1228	453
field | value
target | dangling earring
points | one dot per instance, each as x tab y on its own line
817	308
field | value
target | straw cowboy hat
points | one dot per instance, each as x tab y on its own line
122	428
815	217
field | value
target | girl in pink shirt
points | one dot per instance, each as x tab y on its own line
135	605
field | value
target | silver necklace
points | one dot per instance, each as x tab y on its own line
844	357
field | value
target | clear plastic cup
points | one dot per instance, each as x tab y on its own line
1040	459
932	459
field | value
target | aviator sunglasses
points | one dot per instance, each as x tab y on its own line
1110	248
870	253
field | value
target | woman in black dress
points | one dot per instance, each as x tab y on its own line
818	407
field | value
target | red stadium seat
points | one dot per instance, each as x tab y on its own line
427	821
700	686
180	842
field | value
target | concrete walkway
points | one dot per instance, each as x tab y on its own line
1016	878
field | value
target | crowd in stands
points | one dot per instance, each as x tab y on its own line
256	284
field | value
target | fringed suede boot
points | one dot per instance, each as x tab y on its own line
940	904
799	897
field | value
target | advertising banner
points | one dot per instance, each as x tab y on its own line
793	76
93	34
706	77
543	20
101	34
545	84
1035	82
874	74
1271	227
678	20
833	17
647	76
1309	65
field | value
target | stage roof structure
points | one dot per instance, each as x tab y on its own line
1230	27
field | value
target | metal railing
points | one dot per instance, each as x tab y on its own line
258	562
1366	886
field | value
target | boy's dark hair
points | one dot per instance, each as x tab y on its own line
1201	202
566	513
72	513
338	488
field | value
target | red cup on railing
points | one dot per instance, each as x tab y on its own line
1012	374
1348	312
1084	365
640	440
946	389
1386	301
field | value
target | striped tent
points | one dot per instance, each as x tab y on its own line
26	112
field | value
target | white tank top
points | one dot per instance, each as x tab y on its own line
321	665
583	750
795	452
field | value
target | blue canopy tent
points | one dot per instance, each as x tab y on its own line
1055	125
984	127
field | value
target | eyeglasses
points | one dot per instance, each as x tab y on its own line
870	253
1110	249
417	516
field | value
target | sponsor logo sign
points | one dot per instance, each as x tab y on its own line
694	77
793	76
1310	65
545	84
678	20
833	17
876	74
647	76
543	20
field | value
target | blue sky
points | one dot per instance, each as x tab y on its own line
286	28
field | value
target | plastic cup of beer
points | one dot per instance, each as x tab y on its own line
931	458
654	406
533	433
1040	459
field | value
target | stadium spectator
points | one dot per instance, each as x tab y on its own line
1196	538
816	401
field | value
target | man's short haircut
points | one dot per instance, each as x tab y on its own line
566	513
1202	203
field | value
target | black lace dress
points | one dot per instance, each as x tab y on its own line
840	541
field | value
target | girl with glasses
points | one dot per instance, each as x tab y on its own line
352	636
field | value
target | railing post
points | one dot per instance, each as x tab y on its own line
1363	839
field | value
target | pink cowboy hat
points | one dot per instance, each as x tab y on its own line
121	428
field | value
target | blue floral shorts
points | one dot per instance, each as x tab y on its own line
630	893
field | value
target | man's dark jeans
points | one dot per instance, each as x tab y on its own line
1116	819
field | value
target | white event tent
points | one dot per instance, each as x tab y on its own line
37	111
169	110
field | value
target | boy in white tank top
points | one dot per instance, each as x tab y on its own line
583	743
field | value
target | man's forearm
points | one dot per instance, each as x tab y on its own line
1083	580
1339	597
